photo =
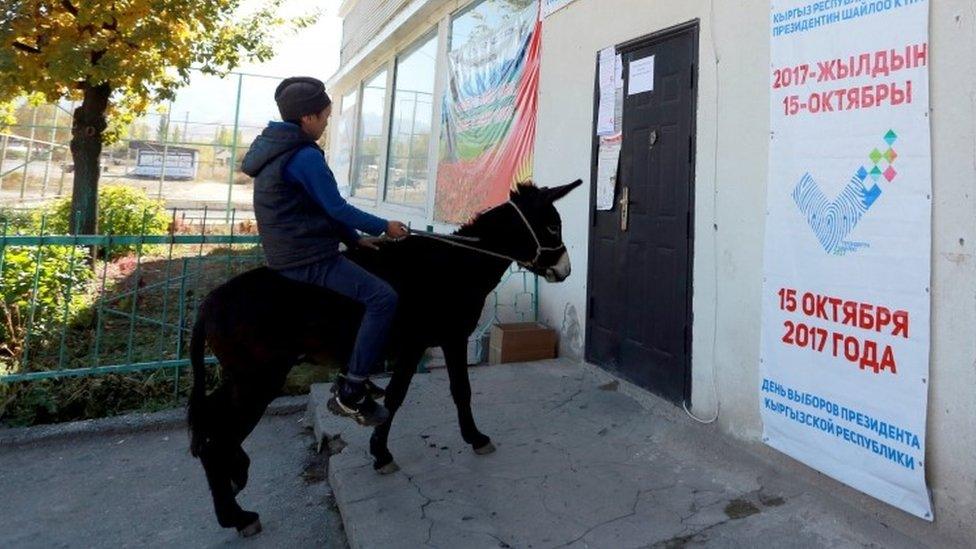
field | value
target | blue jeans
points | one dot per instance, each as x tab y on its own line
345	277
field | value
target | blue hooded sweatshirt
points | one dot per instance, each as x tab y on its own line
301	215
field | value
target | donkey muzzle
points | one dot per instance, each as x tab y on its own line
560	271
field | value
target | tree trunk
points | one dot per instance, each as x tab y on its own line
86	150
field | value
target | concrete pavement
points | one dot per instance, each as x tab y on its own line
579	464
128	482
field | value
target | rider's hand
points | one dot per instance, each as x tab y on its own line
396	230
369	242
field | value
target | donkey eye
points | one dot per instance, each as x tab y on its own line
554	229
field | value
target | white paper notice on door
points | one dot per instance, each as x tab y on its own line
606	170
641	76
607	106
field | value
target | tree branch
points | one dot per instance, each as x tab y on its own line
24	47
66	4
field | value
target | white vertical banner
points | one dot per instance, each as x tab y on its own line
845	329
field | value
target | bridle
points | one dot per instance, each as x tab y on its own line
459	241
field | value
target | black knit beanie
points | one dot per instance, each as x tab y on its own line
301	95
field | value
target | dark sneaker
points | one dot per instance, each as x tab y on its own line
353	402
373	390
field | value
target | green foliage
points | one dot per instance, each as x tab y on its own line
45	287
71	399
16	221
7	117
41	288
142	50
52	268
121	211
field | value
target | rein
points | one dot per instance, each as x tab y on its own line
459	241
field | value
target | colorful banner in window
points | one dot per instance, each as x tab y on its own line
845	331
488	118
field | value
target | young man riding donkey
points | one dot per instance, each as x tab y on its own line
312	300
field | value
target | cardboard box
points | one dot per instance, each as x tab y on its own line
521	342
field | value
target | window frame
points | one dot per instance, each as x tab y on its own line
354	133
413	47
384	134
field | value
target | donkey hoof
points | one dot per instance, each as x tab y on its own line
388	469
251	529
488	448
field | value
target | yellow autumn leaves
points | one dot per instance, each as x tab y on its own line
143	49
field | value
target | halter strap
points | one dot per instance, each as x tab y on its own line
539	248
458	240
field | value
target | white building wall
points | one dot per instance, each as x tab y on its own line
731	175
730	186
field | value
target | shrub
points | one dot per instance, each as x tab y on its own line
16	221
62	274
71	399
121	211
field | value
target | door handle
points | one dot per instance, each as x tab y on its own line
624	208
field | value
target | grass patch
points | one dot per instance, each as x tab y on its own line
72	399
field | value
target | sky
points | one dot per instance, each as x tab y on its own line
208	102
313	51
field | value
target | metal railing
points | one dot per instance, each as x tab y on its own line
72	307
134	313
185	150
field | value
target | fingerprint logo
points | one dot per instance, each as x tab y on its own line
833	221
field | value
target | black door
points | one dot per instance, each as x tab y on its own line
639	291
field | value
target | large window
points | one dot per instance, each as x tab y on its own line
369	147
483	18
342	164
408	174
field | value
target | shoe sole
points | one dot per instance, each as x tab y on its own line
338	409
378	394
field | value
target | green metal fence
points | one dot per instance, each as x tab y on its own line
73	307
186	150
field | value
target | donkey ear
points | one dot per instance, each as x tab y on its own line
556	193
523	188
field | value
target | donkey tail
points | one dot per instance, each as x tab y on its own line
196	410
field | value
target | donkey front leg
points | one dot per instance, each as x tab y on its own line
396	391
456	356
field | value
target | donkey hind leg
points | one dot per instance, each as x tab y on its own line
216	456
251	408
396	390
455	354
239	466
236	409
